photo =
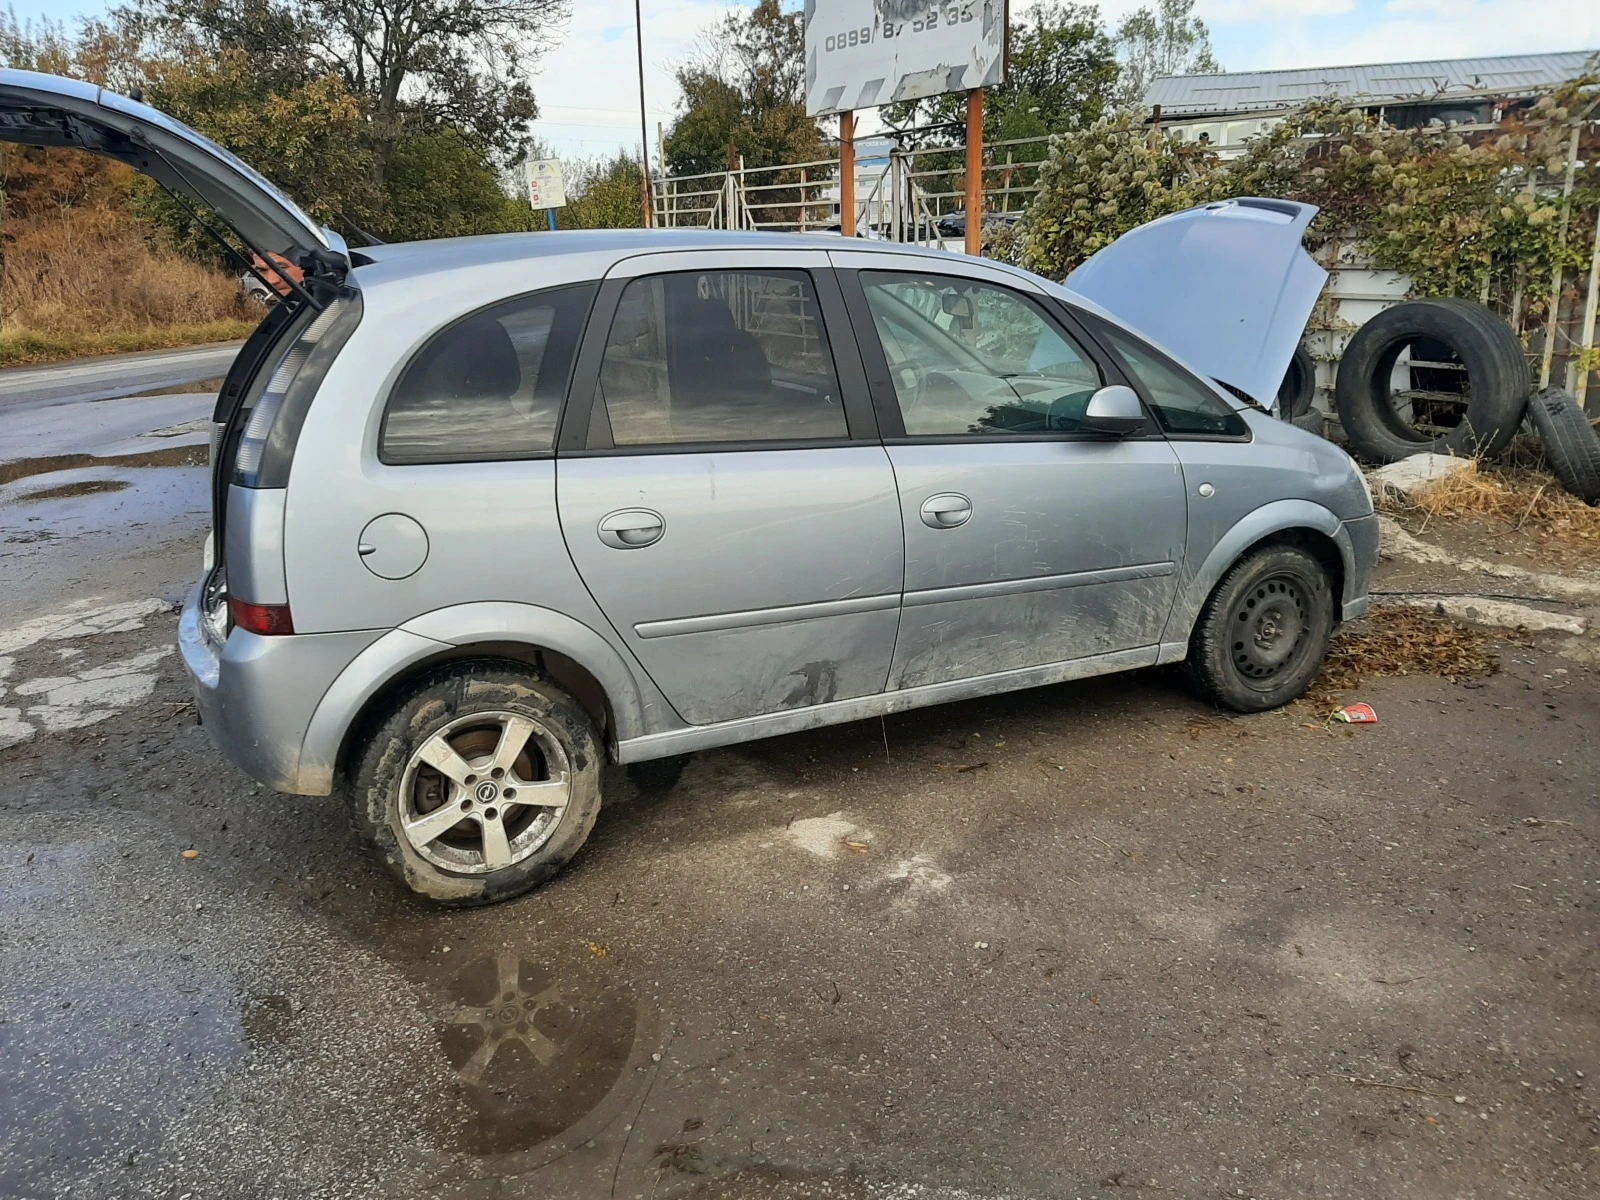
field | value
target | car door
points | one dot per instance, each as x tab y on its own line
1028	540
722	488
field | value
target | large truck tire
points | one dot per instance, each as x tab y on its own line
1570	442
1494	394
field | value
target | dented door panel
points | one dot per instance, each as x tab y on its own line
774	584
1072	548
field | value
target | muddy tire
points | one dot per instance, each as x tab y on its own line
1261	637
1570	442
1483	346
658	776
505	751
1299	387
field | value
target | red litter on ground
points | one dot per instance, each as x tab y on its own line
1357	714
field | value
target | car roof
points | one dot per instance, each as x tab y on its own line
446	254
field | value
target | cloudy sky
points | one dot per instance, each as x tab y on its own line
589	93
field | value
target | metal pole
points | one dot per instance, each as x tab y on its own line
975	171
1553	317
847	174
802	199
644	128
1580	386
550	215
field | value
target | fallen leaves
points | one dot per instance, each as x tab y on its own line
598	951
1400	641
190	854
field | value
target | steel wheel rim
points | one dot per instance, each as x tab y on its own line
1268	629
484	792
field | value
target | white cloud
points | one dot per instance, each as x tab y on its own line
1413	29
1254	10
588	88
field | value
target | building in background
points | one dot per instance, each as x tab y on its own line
1224	110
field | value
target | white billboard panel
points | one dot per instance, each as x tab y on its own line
863	53
547	187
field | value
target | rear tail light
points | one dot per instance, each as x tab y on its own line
267	620
267	443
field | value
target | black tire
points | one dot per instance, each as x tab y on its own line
1236	657
447	702
1496	371
1314	421
1570	442
658	776
1299	386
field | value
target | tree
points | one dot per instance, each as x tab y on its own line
1062	75
1165	40
744	94
603	194
463	63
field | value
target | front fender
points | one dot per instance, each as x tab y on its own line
427	636
1276	517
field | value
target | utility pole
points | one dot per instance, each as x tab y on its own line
975	171
644	127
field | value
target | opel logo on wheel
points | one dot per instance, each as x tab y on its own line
487	792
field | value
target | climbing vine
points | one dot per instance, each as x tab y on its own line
1461	214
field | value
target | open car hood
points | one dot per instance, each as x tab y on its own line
1227	287
49	110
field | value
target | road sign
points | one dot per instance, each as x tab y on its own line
863	53
546	187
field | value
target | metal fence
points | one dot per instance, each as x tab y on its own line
901	196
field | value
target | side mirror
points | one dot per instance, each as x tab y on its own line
1114	410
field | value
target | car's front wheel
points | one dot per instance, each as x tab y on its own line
481	783
1261	637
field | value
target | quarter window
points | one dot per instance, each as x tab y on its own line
723	356
490	386
973	358
1182	404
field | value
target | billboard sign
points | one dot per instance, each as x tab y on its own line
863	53
546	186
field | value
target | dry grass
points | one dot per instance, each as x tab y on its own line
1399	641
25	346
84	276
1521	498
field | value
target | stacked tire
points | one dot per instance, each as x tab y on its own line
1461	337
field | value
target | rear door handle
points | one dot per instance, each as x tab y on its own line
946	510
631	528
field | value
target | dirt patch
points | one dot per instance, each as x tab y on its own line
171	456
1399	641
88	487
198	387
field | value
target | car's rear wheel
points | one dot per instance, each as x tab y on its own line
1261	637
482	782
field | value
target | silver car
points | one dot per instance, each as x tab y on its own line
491	512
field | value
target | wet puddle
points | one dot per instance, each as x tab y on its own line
538	1048
169	456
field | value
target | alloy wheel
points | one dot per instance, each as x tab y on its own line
484	792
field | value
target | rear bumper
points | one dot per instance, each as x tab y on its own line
1362	538
256	694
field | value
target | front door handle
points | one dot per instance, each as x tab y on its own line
946	510
631	528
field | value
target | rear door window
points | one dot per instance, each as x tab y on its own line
719	356
490	386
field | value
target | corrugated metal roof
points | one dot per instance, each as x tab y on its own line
1247	91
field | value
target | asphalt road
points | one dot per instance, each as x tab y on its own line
1063	943
22	388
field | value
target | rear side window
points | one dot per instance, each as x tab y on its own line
724	356
1182	404
490	386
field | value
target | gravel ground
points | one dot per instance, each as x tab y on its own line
1054	944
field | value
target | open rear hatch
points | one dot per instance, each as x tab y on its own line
52	111
215	186
1227	287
